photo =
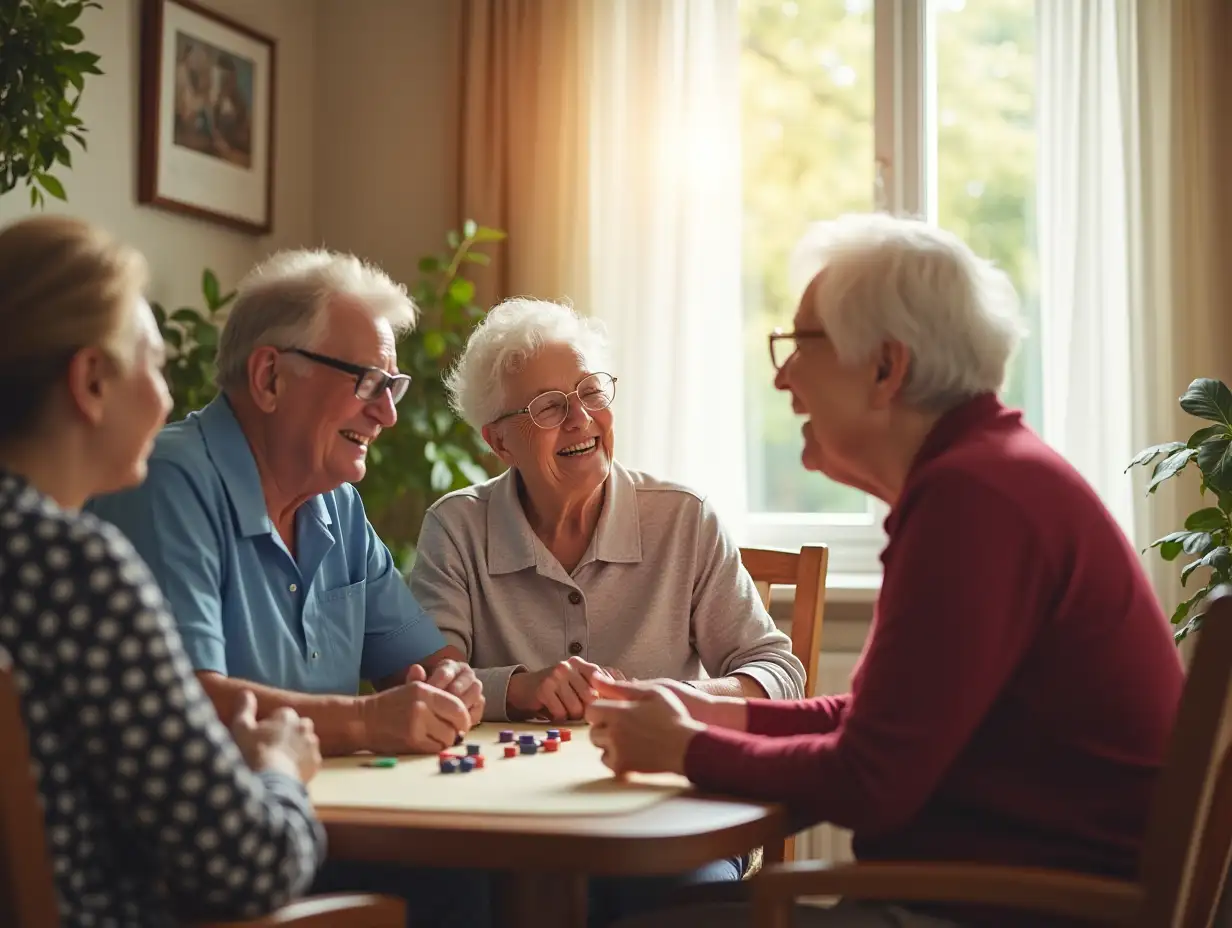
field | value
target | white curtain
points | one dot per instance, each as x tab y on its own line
1091	222
664	230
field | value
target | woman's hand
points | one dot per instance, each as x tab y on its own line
284	741
719	711
641	728
561	692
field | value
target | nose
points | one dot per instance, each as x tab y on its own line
780	377
578	416
383	410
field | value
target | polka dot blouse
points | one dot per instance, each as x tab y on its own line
150	809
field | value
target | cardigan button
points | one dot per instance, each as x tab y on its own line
575	647
575	597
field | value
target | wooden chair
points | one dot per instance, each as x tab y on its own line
27	888
1185	856
806	570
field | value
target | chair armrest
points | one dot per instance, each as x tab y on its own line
334	911
1054	891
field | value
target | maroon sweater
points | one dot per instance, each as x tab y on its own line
1017	688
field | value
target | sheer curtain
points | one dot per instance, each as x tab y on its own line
664	225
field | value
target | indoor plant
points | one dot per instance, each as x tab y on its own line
430	451
1207	535
42	75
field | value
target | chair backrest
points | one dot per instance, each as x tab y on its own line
1188	838
806	570
27	888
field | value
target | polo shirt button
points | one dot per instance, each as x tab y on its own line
575	597
575	647
292	588
315	655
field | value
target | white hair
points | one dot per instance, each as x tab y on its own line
512	333
283	300
896	279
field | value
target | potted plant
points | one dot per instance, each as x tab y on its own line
42	75
1207	535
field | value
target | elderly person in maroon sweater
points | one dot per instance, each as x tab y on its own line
1019	681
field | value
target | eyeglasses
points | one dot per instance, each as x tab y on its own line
784	344
370	382
550	409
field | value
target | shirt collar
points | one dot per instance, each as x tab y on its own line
228	448
513	546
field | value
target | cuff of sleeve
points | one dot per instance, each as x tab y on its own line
495	682
399	649
206	653
769	677
715	758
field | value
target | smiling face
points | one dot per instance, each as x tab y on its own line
570	460
320	420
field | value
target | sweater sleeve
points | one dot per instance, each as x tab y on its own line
965	582
814	716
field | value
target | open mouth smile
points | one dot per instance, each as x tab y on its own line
580	449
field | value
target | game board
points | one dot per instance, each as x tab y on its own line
570	780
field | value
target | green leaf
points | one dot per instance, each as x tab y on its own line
431	452
206	336
189	317
1147	455
209	287
434	344
1205	433
1189	569
1170	467
453	239
483	234
442	477
1197	543
1215	462
1209	399
51	185
1171	550
443	419
429	264
1206	520
477	257
470	228
472	471
461	291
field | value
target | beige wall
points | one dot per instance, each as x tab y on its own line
365	139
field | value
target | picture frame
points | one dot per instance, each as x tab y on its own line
207	116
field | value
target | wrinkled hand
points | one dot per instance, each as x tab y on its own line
561	692
639	728
702	707
284	741
459	679
414	718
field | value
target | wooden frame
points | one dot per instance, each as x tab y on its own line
207	116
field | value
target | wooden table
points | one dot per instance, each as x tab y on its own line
547	858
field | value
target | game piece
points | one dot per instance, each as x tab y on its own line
457	739
551	744
472	749
566	734
506	736
554	733
526	738
466	764
511	750
530	748
478	759
382	762
449	765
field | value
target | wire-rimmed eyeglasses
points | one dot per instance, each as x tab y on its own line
548	410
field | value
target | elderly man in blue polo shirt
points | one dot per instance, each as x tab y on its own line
251	525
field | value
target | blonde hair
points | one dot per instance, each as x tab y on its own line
64	285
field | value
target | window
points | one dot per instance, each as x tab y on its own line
916	106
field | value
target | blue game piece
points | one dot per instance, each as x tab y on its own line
466	764
506	736
528	748
554	733
449	765
526	738
472	749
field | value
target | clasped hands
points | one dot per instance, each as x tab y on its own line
424	714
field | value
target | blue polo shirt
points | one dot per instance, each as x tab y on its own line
245	607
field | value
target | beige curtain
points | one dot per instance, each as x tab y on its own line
523	164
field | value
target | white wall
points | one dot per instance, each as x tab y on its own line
102	186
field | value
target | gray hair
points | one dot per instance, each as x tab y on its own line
282	302
889	278
512	333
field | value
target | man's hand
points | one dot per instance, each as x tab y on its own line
413	718
720	711
561	692
640	729
284	741
459	679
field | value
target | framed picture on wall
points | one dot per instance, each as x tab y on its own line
207	116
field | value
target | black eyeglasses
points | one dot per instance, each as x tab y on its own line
370	382
550	409
784	344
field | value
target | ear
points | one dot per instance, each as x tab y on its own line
893	366
265	380
87	375
495	437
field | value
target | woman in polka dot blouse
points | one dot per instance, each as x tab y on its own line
154	812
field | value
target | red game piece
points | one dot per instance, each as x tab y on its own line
566	734
551	745
478	759
511	750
